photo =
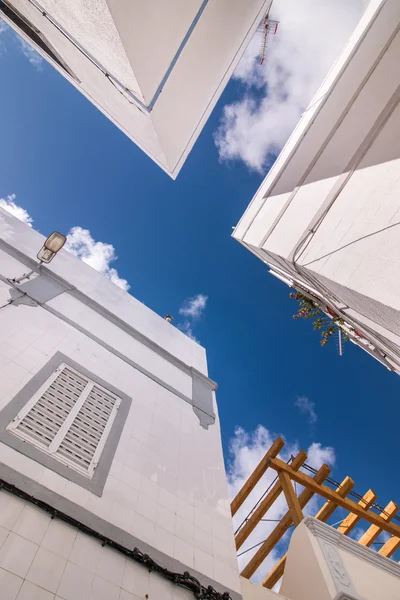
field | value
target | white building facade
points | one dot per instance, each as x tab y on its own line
112	480
326	218
109	440
156	69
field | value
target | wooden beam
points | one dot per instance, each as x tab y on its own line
283	525
322	515
333	496
351	520
266	503
275	574
329	507
291	498
256	475
374	531
390	547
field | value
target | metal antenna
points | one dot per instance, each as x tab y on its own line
340	342
266	28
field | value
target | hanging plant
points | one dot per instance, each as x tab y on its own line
307	309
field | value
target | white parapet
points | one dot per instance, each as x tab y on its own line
324	564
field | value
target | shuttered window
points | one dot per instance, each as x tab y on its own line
69	418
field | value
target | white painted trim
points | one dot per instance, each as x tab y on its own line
328	533
52	450
103	439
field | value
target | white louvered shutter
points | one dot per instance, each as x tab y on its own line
69	418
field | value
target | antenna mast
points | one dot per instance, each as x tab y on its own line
267	28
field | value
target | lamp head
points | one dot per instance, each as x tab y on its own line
52	245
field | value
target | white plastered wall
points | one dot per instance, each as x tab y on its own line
167	483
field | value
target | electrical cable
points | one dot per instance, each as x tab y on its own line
353	494
251	548
258	544
255	506
113	80
261	498
184	580
299	250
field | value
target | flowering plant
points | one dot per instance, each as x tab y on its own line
307	309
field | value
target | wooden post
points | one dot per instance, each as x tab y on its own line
291	498
266	503
282	526
322	515
256	475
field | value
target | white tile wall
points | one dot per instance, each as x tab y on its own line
75	583
16	554
104	590
32	523
167	483
59	538
46	569
9	585
86	570
10	509
86	552
30	591
111	566
83	570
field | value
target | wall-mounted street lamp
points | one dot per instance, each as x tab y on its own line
52	245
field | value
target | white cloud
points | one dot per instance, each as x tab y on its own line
187	328
307	408
96	254
246	451
310	36
192	309
357	532
80	242
17	211
34	57
318	454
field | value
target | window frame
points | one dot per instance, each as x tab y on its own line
12	414
66	426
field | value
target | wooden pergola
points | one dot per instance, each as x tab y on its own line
287	474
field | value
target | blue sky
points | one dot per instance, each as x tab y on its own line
69	166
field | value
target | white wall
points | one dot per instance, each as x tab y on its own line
138	44
91	24
167	483
152	36
45	559
331	202
253	591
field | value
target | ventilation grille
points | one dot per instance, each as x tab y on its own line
69	418
83	437
49	413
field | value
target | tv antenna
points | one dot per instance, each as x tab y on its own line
267	28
